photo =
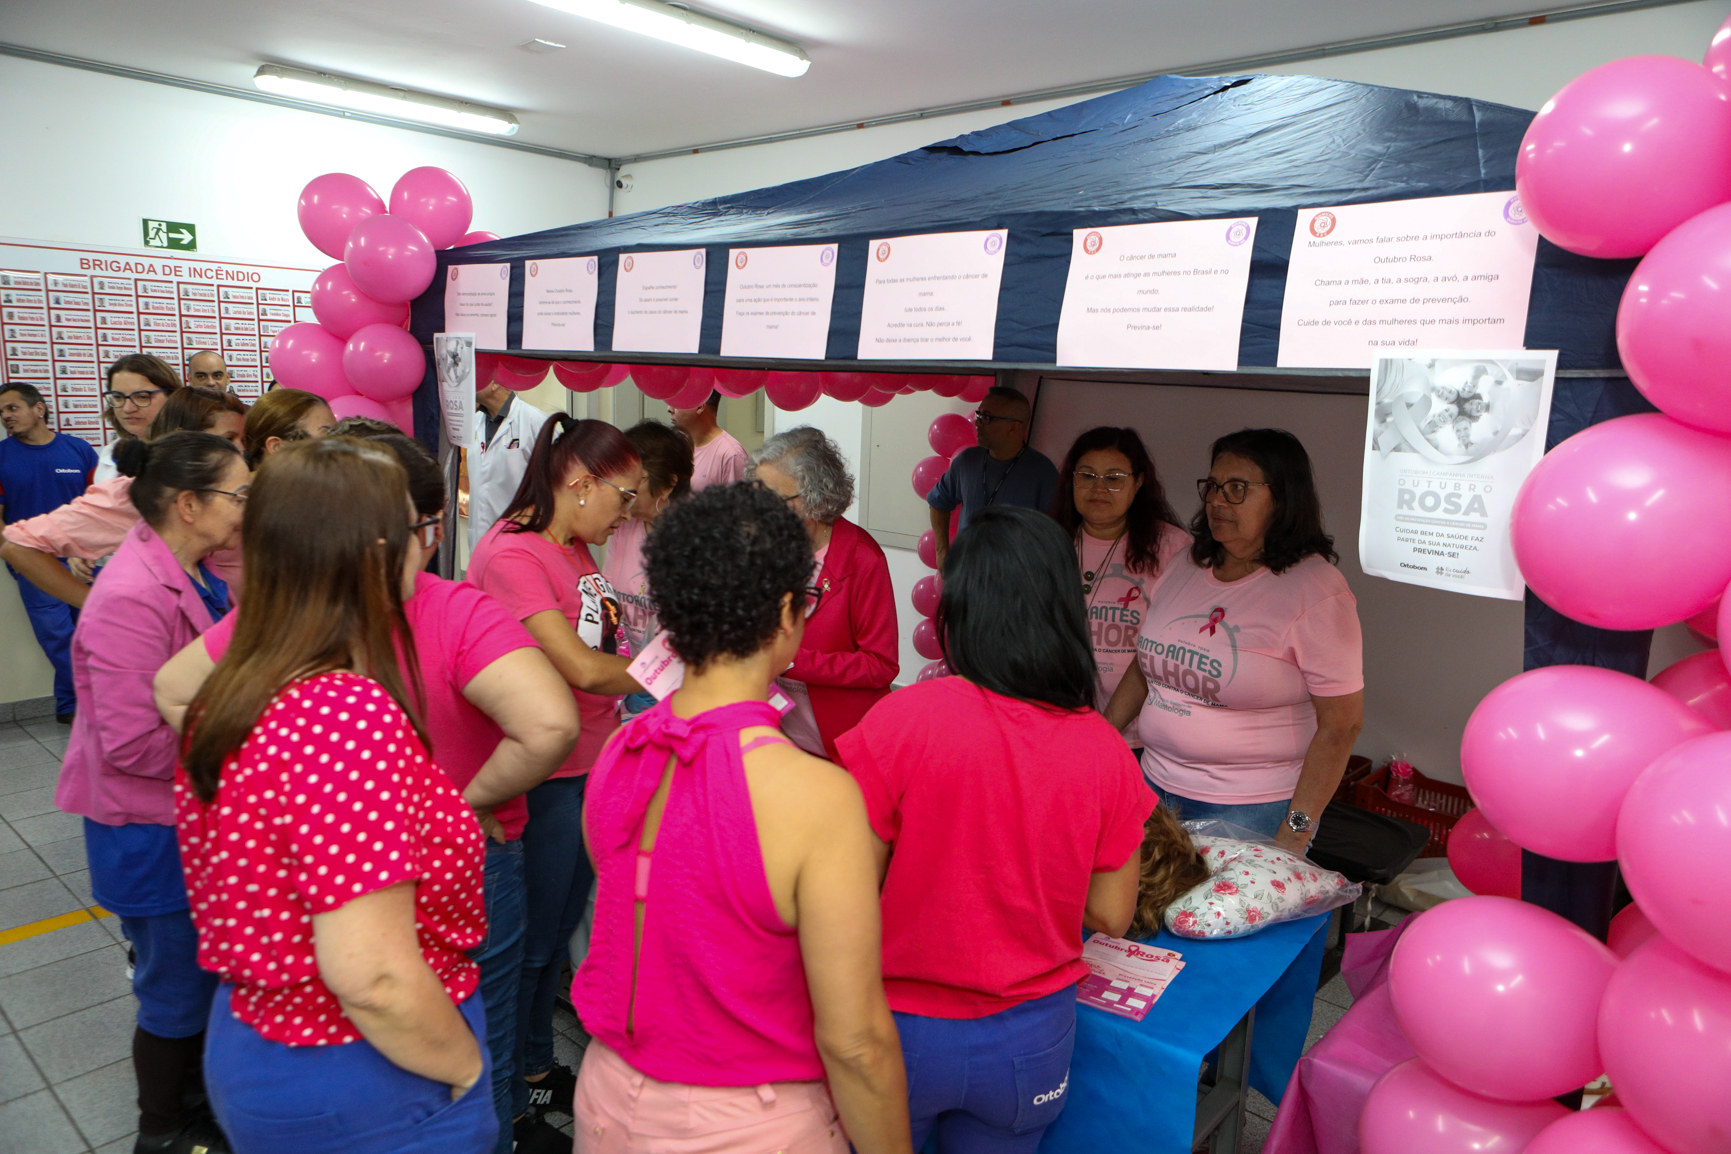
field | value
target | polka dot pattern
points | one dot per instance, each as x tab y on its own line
331	797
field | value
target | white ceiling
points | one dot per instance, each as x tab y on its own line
614	93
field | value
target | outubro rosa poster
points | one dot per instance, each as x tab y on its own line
1450	437
454	369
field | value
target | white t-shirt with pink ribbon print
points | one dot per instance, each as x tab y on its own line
1231	669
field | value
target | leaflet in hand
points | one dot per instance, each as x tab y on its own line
660	671
1126	978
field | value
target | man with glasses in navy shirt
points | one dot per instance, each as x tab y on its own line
1003	469
41	470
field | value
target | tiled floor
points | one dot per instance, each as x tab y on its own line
66	1009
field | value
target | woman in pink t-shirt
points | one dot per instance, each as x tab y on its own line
1111	502
1249	678
580	485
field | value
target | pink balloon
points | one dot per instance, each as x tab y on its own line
974	391
945	385
927	590
659	381
933	669
478	237
1601	1130
928	473
435	202
1626	488
845	386
699	383
343	309
1624	154
1482	858
389	259
1671	327
949	434
1718	59
525	366
876	398
928	550
1701	682
384	363
306	356
486	366
1412	1111
518	382
926	640
1664	1026
355	405
588	376
1705	624
332	205
1501	997
791	392
1550	753
402	414
917	383
738	383
1674	844
1629	929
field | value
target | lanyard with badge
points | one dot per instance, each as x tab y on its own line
993	495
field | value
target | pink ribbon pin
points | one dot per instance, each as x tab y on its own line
1214	619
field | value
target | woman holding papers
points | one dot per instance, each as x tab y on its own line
734	965
1249	678
1007	816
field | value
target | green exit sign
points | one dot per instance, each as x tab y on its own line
170	234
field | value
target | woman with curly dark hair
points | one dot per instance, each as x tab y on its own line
1250	668
726	857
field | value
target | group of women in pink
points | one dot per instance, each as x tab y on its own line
854	919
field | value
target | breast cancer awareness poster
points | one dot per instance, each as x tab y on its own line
1450	437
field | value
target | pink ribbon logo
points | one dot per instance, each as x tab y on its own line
1214	619
1130	596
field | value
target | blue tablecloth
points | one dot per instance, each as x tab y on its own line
1133	1084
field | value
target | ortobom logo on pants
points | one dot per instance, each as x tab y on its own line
1053	1095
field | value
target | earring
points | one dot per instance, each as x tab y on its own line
582	501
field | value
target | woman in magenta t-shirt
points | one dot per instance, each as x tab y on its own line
1009	818
580	485
1111	502
1249	679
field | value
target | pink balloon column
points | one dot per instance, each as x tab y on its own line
1483	859
1674	845
1631	487
331	206
343	309
305	356
1625	153
927	591
928	473
355	405
435	202
1701	682
390	259
925	640
949	434
791	392
1671	327
384	363
933	669
1413	1111
928	549
1601	1130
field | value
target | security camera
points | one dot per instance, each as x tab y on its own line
624	182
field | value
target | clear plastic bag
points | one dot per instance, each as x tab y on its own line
1253	882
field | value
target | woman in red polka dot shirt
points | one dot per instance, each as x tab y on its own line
334	872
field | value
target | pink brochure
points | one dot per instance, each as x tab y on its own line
1126	978
659	670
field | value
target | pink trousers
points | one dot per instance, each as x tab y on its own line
620	1111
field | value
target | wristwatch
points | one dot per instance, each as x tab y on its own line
1298	821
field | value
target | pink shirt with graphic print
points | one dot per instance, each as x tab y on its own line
1116	599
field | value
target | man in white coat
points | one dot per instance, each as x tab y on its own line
505	430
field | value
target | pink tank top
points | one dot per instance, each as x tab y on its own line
721	995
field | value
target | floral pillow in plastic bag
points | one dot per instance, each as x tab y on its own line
1253	883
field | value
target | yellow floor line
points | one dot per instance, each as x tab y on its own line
49	925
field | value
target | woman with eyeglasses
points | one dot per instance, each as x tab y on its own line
581	484
1249	679
850	653
1111	502
282	417
138	384
155	596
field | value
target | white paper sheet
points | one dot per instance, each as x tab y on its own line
1449	439
559	304
1436	272
454	369
658	304
1157	296
476	299
778	302
932	297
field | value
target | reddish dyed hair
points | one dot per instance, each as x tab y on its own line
565	444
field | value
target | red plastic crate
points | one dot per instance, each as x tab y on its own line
1437	805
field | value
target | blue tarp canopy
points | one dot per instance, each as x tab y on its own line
1175	148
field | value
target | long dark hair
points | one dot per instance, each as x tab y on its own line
324	539
1149	509
593	446
1295	530
1011	616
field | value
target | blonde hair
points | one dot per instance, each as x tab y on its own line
1170	867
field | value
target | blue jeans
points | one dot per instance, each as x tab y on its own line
989	1084
52	620
558	876
272	1098
500	957
1264	817
173	993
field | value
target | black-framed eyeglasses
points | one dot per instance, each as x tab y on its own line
1111	482
1234	490
982	417
630	495
238	496
427	529
138	400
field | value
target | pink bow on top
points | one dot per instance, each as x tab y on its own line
657	733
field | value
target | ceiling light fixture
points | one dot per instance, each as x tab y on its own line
693	30
384	100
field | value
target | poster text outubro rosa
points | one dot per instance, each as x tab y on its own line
1450	437
454	369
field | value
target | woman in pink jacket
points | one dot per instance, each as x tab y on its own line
155	596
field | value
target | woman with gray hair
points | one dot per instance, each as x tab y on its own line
848	657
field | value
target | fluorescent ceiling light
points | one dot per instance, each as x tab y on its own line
692	30
383	100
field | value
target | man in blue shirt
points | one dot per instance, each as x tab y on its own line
1001	470
41	470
